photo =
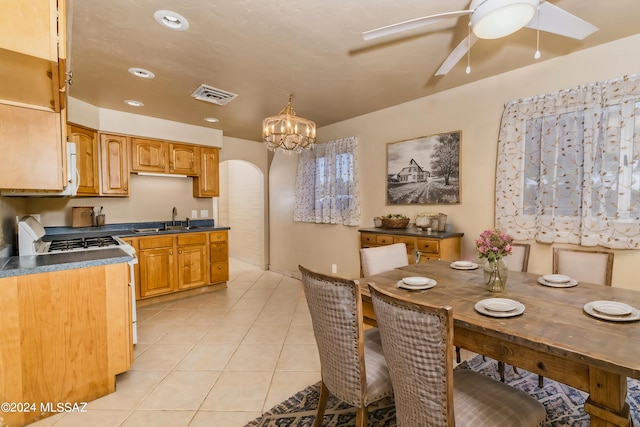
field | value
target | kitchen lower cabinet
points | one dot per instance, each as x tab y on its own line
219	256
66	334
172	263
439	245
192	260
156	261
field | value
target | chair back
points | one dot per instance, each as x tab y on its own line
335	306
418	345
383	258
584	266
519	258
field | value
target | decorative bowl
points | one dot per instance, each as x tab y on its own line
395	222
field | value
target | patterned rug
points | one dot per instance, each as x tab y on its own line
564	404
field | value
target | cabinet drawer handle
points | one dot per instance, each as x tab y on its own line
219	267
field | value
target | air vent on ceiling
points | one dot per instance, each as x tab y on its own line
213	95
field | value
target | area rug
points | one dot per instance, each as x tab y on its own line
564	404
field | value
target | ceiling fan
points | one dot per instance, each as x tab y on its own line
492	19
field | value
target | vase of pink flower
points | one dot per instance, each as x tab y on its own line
493	245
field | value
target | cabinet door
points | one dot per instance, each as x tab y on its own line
192	266
156	271
114	156
183	159
35	157
149	155
219	272
87	159
206	184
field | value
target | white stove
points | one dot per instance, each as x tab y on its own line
31	232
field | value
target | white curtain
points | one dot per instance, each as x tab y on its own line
326	188
568	166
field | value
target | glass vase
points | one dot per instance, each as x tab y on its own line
495	274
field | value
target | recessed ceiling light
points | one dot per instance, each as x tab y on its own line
211	120
171	20
133	103
141	72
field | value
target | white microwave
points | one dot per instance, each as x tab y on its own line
70	189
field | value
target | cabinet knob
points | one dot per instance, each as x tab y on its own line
179	252
219	267
170	252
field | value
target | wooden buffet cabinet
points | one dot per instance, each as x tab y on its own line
439	245
172	263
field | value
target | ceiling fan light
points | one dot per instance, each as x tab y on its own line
498	18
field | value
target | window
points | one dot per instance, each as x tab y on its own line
568	167
326	188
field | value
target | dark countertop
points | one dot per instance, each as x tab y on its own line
415	232
33	264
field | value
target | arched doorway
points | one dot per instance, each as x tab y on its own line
241	206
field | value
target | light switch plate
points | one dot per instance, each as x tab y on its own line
194	214
204	213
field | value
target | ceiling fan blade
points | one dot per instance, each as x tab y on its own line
457	54
411	24
558	21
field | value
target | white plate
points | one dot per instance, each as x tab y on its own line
634	315
480	308
415	281
500	304
556	278
569	284
427	285
612	308
463	265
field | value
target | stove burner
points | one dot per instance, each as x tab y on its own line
82	243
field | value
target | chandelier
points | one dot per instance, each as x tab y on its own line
288	132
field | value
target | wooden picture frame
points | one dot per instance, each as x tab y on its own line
424	170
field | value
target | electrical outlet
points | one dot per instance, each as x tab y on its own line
194	214
204	213
334	268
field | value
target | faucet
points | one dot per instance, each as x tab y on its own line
174	214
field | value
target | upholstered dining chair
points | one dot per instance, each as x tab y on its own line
353	367
519	258
584	266
383	258
418	343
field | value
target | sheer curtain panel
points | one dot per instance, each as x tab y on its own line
568	166
326	190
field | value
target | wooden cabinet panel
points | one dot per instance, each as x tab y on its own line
207	183
149	155
218	236
192	266
33	155
219	251
183	159
114	165
219	272
86	159
157	275
429	245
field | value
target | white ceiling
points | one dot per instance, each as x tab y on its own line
263	50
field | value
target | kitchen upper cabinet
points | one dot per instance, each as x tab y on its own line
32	103
207	183
114	165
183	159
86	159
149	155
157	156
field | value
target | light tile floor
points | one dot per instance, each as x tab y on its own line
218	360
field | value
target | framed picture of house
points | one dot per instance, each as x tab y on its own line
425	170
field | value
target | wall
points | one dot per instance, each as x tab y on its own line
475	109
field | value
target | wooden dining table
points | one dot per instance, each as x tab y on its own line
553	337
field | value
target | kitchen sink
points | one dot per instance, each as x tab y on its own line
147	230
